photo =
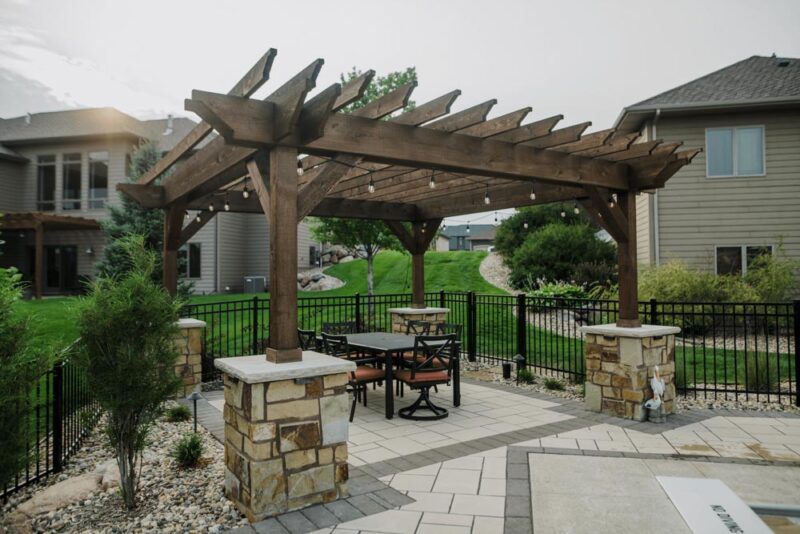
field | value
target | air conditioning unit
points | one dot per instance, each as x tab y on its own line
255	284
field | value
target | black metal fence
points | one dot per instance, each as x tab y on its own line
725	350
59	415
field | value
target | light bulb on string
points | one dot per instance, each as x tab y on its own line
575	209
467	227
611	201
495	217
432	183
486	199
525	225
246	192
371	186
186	215
563	213
198	218
300	170
211	207
227	204
533	193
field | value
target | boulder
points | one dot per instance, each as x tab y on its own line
59	495
109	474
346	259
317	277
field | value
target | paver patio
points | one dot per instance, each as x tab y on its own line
506	455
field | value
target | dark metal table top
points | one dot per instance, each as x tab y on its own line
381	341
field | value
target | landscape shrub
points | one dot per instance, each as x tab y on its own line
20	367
553	252
188	450
554	384
526	376
512	231
178	413
593	274
676	282
760	372
562	290
772	276
127	325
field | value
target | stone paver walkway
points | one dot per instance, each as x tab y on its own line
506	455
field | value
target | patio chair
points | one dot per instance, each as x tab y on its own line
307	339
364	374
430	366
340	328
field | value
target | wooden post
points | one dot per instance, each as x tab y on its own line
282	218
626	255
417	272
39	260
173	223
416	242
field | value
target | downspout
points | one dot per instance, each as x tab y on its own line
216	255
656	240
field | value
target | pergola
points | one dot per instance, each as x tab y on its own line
302	156
39	222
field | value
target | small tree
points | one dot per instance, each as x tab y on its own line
20	367
127	327
130	219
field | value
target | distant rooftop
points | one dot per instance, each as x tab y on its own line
91	122
460	230
757	80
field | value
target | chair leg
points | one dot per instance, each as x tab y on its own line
436	389
365	395
353	407
423	402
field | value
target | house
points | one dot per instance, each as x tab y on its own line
58	175
469	237
740	197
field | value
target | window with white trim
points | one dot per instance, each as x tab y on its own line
46	183
735	151
98	179
189	261
71	182
737	259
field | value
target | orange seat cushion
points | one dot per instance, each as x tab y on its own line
367	374
431	377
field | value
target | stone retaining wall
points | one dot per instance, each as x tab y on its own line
431	315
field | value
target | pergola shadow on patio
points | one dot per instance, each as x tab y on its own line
410	168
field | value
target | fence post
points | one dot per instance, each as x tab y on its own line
653	311
472	339
796	352
254	322
522	326
359	325
58	415
442	298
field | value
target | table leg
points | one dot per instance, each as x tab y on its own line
457	381
389	386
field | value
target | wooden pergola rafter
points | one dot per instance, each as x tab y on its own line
290	156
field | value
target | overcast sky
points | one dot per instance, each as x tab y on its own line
583	59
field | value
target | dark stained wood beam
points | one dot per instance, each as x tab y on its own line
464	118
592	140
497	125
636	150
614	145
416	241
173	222
194	225
626	264
562	136
249	84
530	131
614	220
315	113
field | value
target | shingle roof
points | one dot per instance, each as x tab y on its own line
754	78
484	234
90	122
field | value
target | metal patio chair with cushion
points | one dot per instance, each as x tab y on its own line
431	365
307	339
364	374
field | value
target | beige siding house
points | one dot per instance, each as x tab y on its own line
66	166
741	196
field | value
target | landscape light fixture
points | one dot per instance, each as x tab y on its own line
194	397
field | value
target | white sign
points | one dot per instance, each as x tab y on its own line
709	506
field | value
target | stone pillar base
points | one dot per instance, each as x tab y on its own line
400	316
286	429
620	363
189	364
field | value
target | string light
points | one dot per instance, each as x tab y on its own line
300	170
227	204
563	213
198	219
432	183
185	215
525	225
495	216
371	186
533	193
486	199
211	207
611	201
467	226
575	208
246	192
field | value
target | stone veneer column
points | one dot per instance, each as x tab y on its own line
620	363
400	316
286	429
189	365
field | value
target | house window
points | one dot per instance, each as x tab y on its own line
189	260
98	179
736	260
71	176
46	183
735	151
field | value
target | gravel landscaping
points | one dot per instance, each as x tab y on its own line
170	499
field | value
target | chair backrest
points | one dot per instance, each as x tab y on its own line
307	339
336	345
341	328
449	328
418	328
433	354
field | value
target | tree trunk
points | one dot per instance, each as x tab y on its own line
126	461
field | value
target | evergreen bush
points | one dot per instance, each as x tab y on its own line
188	450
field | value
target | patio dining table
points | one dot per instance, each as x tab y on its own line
391	345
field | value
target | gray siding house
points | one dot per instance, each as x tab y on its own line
741	196
469	237
60	170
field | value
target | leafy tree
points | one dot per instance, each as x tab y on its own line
512	231
131	375
20	367
365	238
130	219
554	251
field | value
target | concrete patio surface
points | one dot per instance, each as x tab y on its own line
511	460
